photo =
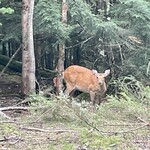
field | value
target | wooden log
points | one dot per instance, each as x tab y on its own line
16	66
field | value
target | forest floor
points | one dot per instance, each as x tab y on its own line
65	127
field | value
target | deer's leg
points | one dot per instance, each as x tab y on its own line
92	96
69	89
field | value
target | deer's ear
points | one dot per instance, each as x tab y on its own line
106	73
94	71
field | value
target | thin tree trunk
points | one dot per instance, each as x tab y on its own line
107	9
60	65
28	58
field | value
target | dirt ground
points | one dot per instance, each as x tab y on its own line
27	131
21	132
9	90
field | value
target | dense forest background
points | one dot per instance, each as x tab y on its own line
96	34
99	34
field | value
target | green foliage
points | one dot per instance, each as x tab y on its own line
81	17
8	128
128	43
122	43
48	19
10	14
63	145
107	126
8	10
136	14
129	88
94	140
5	10
124	108
36	101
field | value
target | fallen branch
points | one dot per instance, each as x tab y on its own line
16	122
14	108
4	139
10	121
12	139
145	122
42	115
4	115
131	130
20	108
45	130
26	101
17	67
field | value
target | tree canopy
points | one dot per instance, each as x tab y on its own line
121	42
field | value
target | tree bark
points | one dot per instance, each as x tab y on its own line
60	65
28	58
107	9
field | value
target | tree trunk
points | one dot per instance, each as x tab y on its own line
76	55
28	58
38	50
107	9
60	65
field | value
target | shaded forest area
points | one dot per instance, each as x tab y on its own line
120	42
96	34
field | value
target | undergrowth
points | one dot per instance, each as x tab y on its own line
121	122
115	124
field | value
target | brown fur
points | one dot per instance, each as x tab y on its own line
85	80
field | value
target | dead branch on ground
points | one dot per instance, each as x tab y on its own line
4	115
46	130
14	108
12	139
20	108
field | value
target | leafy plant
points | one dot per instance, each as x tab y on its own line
96	126
8	10
129	87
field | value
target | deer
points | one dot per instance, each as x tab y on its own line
85	80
